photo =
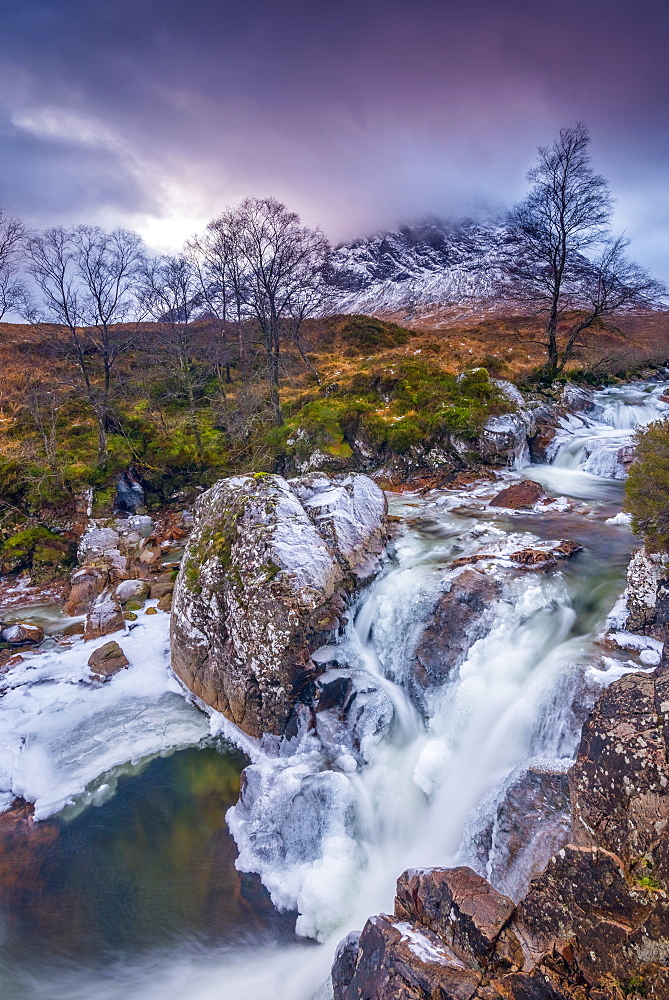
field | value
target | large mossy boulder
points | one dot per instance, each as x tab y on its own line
264	582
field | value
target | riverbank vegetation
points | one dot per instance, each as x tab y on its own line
390	383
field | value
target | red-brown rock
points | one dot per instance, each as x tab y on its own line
459	618
461	907
519	495
620	781
102	619
107	660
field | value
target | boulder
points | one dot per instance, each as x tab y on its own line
620	782
519	496
160	588
87	583
22	634
264	582
131	590
104	617
165	602
460	617
107	660
581	932
459	906
397	960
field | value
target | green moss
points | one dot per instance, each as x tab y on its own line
38	550
409	403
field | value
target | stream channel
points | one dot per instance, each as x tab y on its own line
143	880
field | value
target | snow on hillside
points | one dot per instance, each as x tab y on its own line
408	271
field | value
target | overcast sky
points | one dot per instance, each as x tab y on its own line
155	114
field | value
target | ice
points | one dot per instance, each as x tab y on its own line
60	735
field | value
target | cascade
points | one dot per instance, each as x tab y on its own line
330	821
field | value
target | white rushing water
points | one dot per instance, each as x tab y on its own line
331	820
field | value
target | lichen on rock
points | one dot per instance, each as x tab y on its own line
264	582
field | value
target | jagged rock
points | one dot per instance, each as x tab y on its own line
519	495
131	590
264	582
503	440
103	618
531	822
87	583
581	932
583	909
397	960
107	660
458	905
21	634
620	781
459	618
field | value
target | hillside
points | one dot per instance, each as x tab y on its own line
48	439
417	271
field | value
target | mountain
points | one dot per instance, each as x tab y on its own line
418	271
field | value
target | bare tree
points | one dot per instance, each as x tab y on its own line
51	262
553	237
12	246
109	265
275	266
169	294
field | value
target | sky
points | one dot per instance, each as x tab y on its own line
359	114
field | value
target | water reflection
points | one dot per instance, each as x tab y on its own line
153	864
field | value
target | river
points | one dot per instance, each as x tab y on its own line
132	886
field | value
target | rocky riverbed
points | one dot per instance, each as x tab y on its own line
431	716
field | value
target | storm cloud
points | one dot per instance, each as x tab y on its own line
157	113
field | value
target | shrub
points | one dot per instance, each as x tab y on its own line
647	486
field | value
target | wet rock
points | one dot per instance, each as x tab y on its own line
76	628
131	590
397	960
103	618
530	822
22	634
87	583
161	588
8	659
545	558
504	439
460	617
264	583
107	660
459	906
151	611
539	557
519	496
581	932
620	781
129	492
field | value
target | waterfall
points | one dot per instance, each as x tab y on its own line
418	777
